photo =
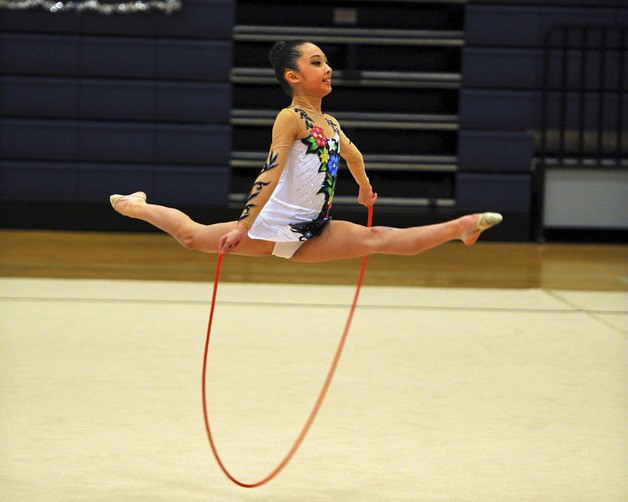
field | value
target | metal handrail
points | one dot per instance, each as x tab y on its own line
570	55
379	162
252	33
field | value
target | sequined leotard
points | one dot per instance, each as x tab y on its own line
291	199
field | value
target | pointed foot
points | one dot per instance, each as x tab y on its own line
122	203
483	222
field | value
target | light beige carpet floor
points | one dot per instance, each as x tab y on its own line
441	394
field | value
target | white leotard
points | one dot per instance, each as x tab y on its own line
300	196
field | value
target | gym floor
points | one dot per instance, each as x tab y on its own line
492	373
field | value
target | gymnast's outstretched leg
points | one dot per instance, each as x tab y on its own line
187	232
339	240
342	239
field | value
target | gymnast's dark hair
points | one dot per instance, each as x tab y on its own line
283	56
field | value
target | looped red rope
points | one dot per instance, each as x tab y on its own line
321	395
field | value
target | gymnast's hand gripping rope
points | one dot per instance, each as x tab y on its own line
321	395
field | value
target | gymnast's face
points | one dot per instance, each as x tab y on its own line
314	75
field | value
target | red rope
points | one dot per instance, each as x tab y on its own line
319	400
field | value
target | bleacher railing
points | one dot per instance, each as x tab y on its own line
582	117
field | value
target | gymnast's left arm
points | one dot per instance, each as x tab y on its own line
355	162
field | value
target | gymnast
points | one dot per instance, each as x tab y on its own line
287	212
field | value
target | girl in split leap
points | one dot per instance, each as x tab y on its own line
287	212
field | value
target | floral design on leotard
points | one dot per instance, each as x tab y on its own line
327	150
319	136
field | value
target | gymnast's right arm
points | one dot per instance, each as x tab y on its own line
285	132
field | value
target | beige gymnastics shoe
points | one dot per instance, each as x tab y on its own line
134	197
484	222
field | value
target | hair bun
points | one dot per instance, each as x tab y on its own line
276	48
